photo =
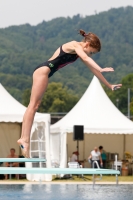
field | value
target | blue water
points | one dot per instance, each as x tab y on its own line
66	192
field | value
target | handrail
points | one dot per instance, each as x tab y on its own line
95	179
116	168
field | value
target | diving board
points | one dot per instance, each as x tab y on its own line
22	160
24	170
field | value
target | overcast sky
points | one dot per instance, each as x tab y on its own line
17	12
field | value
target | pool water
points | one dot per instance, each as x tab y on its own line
66	192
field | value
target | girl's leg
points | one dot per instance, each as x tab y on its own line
40	82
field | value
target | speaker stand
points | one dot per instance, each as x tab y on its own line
81	176
78	148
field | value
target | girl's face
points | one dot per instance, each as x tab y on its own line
89	50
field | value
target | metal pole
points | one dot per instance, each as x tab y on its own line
78	148
129	103
10	176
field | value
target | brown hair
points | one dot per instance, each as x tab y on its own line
12	149
92	38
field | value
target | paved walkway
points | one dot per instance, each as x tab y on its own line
60	182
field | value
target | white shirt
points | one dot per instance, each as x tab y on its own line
74	158
95	155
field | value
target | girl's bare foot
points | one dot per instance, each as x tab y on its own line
24	147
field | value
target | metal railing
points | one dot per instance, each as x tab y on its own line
94	178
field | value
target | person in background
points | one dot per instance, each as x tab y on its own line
103	156
12	164
95	155
74	158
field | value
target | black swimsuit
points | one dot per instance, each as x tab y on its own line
60	61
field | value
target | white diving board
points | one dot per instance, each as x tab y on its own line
24	170
22	160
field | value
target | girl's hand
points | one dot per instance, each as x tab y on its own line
107	69
116	87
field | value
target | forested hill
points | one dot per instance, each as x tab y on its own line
23	47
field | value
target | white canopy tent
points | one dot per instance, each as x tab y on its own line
96	113
11	117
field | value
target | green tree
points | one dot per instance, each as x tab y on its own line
56	99
26	97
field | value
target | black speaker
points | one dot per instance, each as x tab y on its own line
78	132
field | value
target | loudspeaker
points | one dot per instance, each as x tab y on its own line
78	132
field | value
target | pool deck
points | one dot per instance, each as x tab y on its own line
2	182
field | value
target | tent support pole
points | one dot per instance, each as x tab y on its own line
78	147
124	141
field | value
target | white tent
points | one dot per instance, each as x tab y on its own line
11	117
96	113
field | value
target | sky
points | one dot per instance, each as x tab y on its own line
18	12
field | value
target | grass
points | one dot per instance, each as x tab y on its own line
13	179
109	178
104	179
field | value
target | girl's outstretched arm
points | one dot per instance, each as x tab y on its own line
94	67
88	60
103	80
